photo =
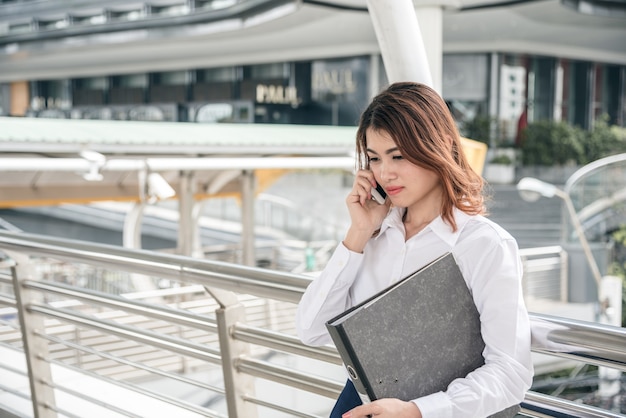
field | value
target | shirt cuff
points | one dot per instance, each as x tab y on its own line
435	405
342	259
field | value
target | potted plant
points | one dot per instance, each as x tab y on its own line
500	169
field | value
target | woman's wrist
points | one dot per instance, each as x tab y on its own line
355	240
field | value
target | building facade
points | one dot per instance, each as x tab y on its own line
511	87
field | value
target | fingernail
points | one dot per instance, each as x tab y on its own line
346	415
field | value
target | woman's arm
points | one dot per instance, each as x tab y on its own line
493	271
327	296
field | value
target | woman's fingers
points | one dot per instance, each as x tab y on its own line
363	184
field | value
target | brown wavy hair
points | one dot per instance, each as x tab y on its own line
418	120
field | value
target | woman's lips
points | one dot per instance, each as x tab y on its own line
393	190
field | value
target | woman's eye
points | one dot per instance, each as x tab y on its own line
398	157
372	159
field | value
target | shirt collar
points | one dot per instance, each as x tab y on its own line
393	220
438	226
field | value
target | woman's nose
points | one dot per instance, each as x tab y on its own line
386	172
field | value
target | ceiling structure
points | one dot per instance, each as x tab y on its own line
52	161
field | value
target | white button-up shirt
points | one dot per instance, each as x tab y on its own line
489	260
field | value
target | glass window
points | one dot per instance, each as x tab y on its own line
541	89
54	23
215	4
21	27
267	71
171	77
172	9
131	80
92	83
579	87
127	14
92	19
512	98
340	90
465	89
612	93
340	79
5	99
465	77
221	74
51	94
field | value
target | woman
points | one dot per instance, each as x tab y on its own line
407	141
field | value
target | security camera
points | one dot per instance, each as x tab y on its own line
96	162
93	156
159	188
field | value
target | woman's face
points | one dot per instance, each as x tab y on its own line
406	184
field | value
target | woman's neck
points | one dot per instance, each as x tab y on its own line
415	222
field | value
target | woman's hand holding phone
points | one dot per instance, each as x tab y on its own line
366	214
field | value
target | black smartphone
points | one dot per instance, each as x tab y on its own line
378	194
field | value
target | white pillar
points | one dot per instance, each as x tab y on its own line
400	40
430	20
185	213
131	238
131	234
374	86
610	295
248	186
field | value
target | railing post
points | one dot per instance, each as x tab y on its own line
236	383
610	294
35	347
248	186
564	275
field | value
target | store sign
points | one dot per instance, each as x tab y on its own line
334	81
40	103
277	94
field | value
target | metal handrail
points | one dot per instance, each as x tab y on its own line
583	341
598	344
116	302
540	405
284	343
143	336
270	284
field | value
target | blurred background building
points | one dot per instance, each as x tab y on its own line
307	62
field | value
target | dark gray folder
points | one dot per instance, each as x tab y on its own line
413	338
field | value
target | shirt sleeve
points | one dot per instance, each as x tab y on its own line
493	273
327	296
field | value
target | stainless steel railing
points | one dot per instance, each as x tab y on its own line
226	331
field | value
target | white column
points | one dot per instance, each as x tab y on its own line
131	238
430	20
131	234
610	295
248	186
400	40
185	213
374	86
